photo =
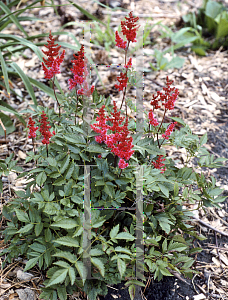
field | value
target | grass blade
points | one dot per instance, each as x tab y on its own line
45	88
12	17
5	73
86	13
7	107
26	82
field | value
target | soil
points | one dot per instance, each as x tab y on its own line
202	104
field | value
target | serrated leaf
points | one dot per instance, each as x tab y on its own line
131	291
38	229
65	223
41	178
72	275
99	264
77	199
78	231
124	236
135	282
62	292
121	266
176	247
52	162
58	277
114	231
31	263
123	250
65	164
67	255
22	216
67	241
96	149
62	264
164	189
96	252
26	228
81	270
203	139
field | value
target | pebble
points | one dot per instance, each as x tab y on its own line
23	275
26	294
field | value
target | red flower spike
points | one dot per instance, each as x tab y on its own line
80	73
153	121
52	63
118	141
169	130
122	80
32	129
44	129
158	163
122	164
129	27
120	42
129	64
168	98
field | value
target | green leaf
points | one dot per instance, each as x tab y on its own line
13	18
67	241
67	255
65	164
87	14
114	231
7	107
72	275
164	246
99	264
96	149
58	277
31	263
22	216
176	247
135	282
62	264
7	123
203	139
26	82
124	236
41	178
38	229
96	252
65	223
81	270
122	250
121	266
38	247
77	199
131	291
222	29
62	292
26	228
164	189
176	189
5	73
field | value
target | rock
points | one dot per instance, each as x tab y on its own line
26	294
23	275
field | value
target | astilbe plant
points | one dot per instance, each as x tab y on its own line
98	169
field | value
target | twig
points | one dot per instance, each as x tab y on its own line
209	226
216	243
3	127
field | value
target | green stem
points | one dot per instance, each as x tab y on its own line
56	95
160	128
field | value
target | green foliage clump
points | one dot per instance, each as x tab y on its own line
211	22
